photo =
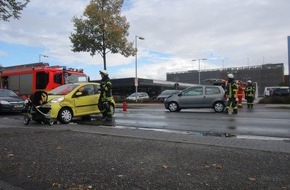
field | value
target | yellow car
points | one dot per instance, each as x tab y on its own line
75	100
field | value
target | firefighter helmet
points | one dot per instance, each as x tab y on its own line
104	72
230	76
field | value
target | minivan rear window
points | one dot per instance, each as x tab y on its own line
212	90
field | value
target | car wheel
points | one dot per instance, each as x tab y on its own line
50	122
65	115
26	119
218	107
173	107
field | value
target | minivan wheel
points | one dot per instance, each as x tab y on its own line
218	107
173	107
65	115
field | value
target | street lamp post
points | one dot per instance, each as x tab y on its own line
136	77
199	67
40	55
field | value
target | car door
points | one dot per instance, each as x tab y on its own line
192	97
87	102
212	93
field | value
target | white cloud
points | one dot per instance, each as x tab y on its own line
228	33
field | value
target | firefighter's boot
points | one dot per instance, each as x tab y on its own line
235	111
227	111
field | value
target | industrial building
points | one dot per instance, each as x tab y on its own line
264	75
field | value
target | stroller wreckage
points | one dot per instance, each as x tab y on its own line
38	109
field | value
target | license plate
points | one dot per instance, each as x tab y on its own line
18	106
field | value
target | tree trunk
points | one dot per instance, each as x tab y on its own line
104	59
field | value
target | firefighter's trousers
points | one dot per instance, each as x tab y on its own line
232	103
240	100
105	108
250	101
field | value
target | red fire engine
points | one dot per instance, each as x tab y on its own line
28	78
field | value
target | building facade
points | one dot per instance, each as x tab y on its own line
123	87
264	75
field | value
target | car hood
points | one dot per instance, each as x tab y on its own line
172	95
12	99
50	97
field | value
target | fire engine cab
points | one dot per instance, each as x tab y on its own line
29	78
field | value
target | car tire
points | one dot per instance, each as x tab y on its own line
50	122
65	115
173	107
26	120
219	107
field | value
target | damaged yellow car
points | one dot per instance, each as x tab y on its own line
75	100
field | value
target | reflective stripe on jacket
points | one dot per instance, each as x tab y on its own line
250	91
231	90
106	90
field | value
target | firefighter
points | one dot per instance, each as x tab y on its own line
250	94
240	93
105	96
231	93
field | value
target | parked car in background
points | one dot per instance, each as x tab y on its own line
140	96
75	100
11	102
201	96
281	91
268	90
164	94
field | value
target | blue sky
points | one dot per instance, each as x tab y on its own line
227	33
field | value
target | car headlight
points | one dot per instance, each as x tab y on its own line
56	100
4	102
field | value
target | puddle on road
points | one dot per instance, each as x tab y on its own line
209	134
262	138
98	122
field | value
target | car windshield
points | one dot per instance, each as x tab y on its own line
63	90
73	78
7	93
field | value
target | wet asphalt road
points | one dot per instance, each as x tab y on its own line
261	121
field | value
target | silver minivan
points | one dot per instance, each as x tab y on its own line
140	96
200	96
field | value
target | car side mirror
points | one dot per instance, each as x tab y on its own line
180	94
